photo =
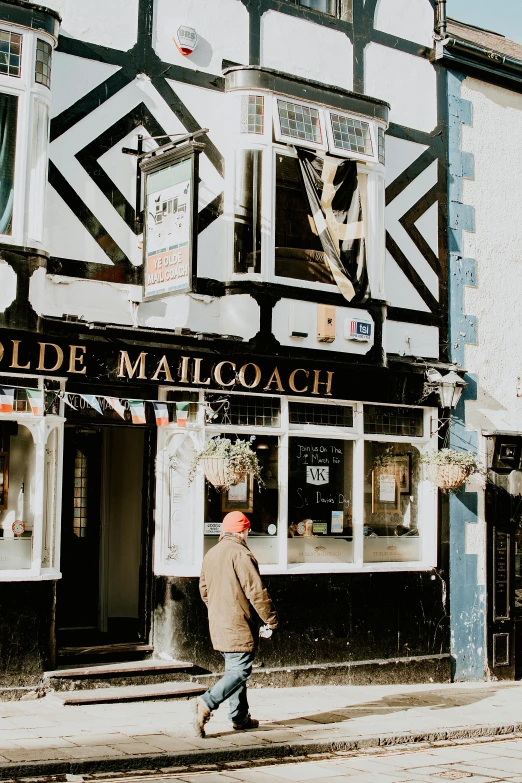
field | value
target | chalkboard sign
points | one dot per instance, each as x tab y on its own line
320	487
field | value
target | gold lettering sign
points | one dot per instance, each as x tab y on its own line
291	381
126	366
74	359
327	383
14	363
43	350
163	367
257	376
217	374
275	378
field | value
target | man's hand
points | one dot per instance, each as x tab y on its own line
265	632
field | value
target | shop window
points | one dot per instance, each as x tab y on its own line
252	114
320	478
10	53
17	514
298	250
306	413
42	68
8	125
243	410
261	505
247	211
391	503
392	420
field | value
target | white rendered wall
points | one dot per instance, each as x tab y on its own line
113	24
409	19
306	49
496	245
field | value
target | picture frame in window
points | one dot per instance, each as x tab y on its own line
386	495
4	479
240	497
402	465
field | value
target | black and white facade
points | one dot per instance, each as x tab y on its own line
318	356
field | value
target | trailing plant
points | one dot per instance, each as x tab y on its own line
449	469
239	458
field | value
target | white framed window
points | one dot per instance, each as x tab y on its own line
10	53
345	490
351	136
31	481
299	123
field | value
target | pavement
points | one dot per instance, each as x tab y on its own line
43	737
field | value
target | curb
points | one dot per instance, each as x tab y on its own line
160	762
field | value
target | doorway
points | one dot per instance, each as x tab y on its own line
102	598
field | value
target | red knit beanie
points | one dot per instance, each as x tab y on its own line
235	522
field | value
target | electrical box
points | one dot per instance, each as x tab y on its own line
297	320
325	323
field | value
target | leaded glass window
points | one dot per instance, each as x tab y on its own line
252	107
380	137
10	53
351	134
8	123
299	122
42	68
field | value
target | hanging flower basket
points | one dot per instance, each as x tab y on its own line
220	473
226	463
449	469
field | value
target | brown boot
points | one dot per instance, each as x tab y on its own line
248	723
202	716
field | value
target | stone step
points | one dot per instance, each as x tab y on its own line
104	652
154	692
122	673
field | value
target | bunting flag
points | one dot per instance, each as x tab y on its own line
67	401
137	410
91	400
161	412
116	405
36	401
182	409
6	400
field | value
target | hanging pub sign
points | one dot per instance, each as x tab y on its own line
170	220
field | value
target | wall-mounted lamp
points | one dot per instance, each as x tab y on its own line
449	387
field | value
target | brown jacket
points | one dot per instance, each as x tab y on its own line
232	589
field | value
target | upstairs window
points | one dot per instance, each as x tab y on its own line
8	123
340	8
10	53
299	123
42	68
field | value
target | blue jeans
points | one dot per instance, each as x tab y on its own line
232	686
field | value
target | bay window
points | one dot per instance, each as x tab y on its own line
344	487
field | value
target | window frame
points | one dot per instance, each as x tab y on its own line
199	433
283	139
342	153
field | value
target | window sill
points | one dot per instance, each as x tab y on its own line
317	568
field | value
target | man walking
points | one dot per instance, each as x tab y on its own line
231	587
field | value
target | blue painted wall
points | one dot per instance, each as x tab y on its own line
467	597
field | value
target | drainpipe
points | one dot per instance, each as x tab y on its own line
441	19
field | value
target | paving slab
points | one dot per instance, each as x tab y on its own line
76	739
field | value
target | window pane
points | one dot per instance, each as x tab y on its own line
247	211
42	72
8	122
260	505
351	134
10	53
306	413
392	420
299	122
391	477
244	410
298	252
320	501
252	114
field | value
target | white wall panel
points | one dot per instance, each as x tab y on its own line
407	82
428	225
74	77
305	320
399	290
410	19
65	236
113	24
412	339
7	285
90	300
398	207
306	49
222	28
399	155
